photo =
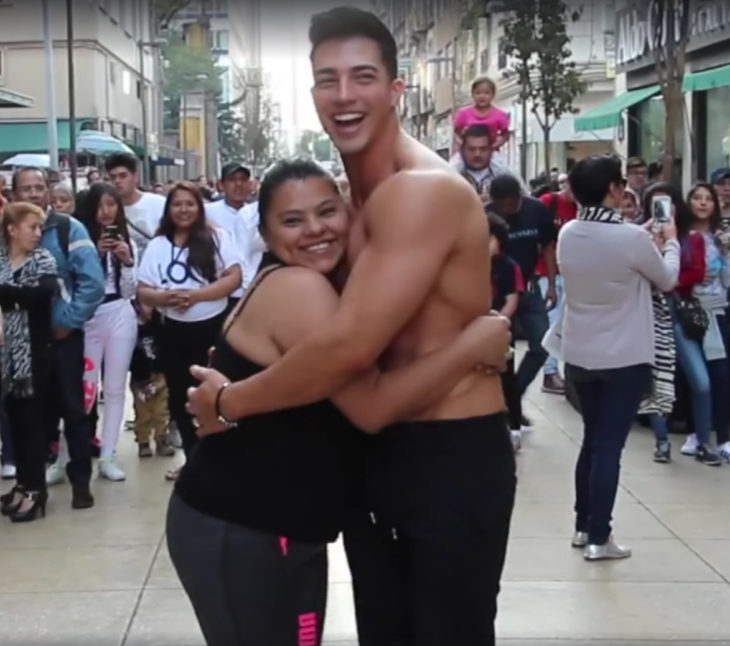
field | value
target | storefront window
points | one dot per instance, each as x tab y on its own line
718	128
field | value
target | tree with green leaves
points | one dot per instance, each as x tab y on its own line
232	130
535	36
671	20
184	66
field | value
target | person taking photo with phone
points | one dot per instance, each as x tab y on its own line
111	334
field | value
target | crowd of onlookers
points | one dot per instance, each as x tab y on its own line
110	287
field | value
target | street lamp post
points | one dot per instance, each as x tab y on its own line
71	92
202	79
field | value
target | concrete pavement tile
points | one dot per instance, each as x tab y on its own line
164	618
339	570
339	624
696	521
613	611
64	618
684	482
75	569
541	559
556	520
163	575
714	552
96	527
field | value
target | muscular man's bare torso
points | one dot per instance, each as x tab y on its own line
460	293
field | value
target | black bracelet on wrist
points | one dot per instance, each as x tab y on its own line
218	413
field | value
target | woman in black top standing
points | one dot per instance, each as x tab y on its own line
27	285
254	507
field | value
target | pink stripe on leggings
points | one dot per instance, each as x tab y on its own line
308	629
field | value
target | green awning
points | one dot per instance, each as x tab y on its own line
608	113
31	136
706	80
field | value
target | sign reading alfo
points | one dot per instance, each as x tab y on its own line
638	28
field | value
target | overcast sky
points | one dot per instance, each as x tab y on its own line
285	55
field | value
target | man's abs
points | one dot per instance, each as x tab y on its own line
436	326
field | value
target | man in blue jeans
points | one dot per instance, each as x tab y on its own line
532	236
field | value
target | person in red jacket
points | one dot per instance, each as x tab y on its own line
562	208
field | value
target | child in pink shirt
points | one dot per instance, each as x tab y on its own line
481	111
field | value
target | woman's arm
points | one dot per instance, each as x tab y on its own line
306	301
228	283
661	271
510	307
128	275
28	298
155	297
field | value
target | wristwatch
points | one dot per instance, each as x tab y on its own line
222	419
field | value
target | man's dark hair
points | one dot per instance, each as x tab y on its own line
635	162
504	187
130	162
591	178
498	228
476	130
26	169
347	22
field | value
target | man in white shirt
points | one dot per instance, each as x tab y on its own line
143	211
238	218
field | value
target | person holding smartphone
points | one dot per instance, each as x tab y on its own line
111	334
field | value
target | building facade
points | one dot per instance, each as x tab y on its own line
115	67
445	44
704	144
232	30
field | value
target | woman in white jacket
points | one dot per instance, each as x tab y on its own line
111	334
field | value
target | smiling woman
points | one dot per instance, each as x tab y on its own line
187	273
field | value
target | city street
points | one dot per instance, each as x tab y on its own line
103	577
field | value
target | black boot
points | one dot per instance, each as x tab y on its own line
35	511
82	498
8	505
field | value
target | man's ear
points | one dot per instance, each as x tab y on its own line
396	92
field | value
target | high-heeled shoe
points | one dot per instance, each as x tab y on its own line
36	510
8	504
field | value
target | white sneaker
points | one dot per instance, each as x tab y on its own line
690	445
110	470
56	473
724	451
8	472
173	437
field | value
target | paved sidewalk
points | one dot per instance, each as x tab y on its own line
103	577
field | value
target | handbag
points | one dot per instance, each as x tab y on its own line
692	317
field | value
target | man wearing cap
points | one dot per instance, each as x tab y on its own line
721	181
238	218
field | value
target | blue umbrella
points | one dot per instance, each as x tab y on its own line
100	143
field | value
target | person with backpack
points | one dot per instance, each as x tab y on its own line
81	291
563	208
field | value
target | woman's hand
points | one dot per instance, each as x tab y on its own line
122	251
491	336
201	400
186	299
105	245
669	230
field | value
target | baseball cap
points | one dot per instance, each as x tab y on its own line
233	167
720	174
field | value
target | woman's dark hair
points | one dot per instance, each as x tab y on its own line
283	171
86	211
498	228
683	216
201	244
716	217
591	178
349	22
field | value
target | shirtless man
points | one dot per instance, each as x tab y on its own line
427	548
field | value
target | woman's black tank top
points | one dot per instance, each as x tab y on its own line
284	472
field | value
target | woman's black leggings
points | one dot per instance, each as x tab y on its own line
247	588
181	346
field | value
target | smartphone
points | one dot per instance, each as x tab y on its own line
661	210
110	231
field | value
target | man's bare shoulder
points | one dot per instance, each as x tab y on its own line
425	193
